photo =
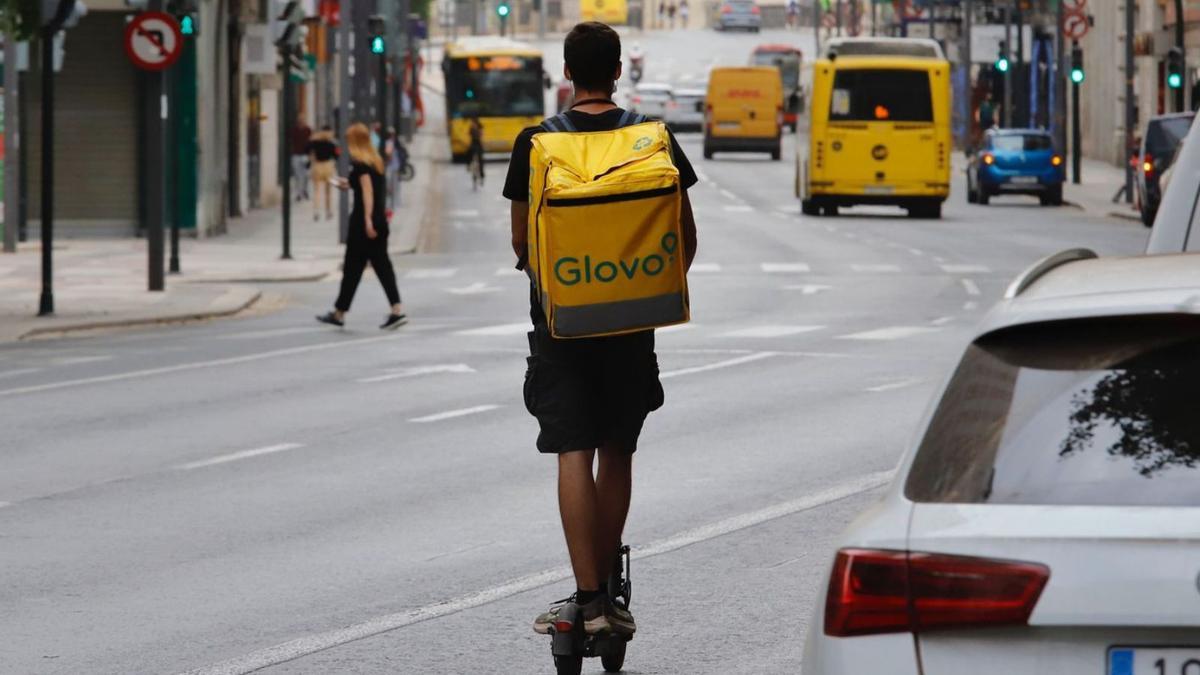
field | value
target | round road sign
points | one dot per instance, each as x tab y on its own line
1074	5
153	41
1075	24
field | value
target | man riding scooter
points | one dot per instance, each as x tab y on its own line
637	63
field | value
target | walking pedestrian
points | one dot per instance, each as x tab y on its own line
391	158
671	14
590	395
322	154
662	13
684	13
298	137
368	235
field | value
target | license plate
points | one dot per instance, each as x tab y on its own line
1023	179
728	125
879	189
1153	660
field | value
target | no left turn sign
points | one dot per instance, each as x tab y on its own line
153	41
1075	25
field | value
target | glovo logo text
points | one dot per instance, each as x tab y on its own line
571	271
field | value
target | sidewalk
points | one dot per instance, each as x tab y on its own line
101	283
1094	194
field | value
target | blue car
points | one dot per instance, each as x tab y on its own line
1016	161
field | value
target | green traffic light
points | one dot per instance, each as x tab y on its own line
502	9
377	44
1174	80
187	25
1002	65
1077	75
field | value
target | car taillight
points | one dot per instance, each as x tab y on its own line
779	116
1148	165
726	9
873	592
755	10
989	158
1056	160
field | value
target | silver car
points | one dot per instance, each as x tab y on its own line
650	99
685	110
1047	519
739	15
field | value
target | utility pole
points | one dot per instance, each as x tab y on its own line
966	59
1008	97
1023	118
342	120
1059	84
1076	133
1179	106
837	18
817	20
1130	109
12	139
288	42
156	170
540	5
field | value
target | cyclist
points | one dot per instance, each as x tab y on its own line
580	389
475	151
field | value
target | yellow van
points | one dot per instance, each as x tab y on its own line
879	121
744	110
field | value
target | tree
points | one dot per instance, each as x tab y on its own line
19	18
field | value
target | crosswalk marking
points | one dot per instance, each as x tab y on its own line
807	289
890	386
431	273
770	331
965	269
785	268
451	414
875	268
502	329
464	213
969	286
704	268
889	333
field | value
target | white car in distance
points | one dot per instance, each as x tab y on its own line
1048	520
650	99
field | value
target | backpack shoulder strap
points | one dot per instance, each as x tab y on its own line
559	123
630	118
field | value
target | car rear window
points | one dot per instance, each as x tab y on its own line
1162	136
1096	412
1020	142
893	95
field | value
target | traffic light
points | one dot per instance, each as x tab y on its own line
292	21
1076	63
378	26
1002	58
502	10
377	44
185	11
1175	68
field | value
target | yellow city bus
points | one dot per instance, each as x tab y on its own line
879	119
499	81
611	12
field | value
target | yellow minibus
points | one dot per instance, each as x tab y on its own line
499	81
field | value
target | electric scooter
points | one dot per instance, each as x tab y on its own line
570	645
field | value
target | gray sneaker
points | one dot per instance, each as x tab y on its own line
619	618
595	619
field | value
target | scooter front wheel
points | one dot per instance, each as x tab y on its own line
568	665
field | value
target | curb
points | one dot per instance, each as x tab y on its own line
299	278
185	317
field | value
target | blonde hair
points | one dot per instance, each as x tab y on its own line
358	140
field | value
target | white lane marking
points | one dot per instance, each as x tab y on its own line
729	195
272	332
890	386
196	365
4	504
17	372
969	286
938	259
77	360
966	269
311	644
701	175
770	331
244	454
502	329
970	305
419	370
916	251
431	273
756	356
807	289
784	268
509	272
675	329
875	268
451	414
476	288
738	208
890	333
464	213
942	320
704	268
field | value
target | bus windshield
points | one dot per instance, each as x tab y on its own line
788	64
883	95
494	86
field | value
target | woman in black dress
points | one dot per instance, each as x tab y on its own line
368	235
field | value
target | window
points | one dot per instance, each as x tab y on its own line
1020	142
1163	135
1085	412
890	95
500	86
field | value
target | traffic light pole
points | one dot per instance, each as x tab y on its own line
156	174
286	121
1179	105
46	301
1076	131
1007	71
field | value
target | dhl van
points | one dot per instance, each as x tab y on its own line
879	120
744	110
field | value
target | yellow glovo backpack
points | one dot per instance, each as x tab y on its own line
605	247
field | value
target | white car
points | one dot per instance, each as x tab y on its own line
685	110
650	99
1047	521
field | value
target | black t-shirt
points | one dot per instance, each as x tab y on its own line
322	150
516	185
378	194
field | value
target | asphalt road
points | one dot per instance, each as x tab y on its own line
259	491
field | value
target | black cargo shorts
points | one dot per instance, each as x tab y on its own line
591	392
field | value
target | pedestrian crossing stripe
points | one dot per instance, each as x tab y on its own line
785	268
770	331
889	333
431	273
